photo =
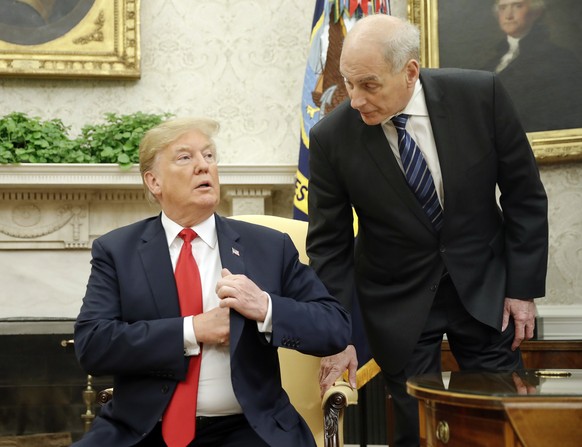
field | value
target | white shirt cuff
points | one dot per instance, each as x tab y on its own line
266	327
191	346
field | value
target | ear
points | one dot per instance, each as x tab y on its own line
412	70
152	183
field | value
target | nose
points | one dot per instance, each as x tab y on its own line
357	99
200	163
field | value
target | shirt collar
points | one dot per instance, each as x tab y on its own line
417	104
206	230
513	42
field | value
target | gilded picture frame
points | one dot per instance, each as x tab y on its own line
549	146
70	39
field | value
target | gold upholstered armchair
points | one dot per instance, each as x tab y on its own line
300	372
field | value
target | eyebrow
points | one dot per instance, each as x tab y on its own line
186	147
363	80
368	79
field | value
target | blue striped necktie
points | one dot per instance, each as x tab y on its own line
417	173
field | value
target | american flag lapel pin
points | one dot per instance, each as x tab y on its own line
235	252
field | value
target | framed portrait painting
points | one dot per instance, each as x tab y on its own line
70	38
534	46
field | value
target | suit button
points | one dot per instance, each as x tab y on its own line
165	389
442	249
434	287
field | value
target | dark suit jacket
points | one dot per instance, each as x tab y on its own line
397	260
129	326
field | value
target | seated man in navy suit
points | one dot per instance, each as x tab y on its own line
256	297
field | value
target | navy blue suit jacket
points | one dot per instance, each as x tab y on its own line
130	327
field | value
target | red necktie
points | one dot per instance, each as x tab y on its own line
179	421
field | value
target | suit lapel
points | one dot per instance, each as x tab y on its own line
377	145
444	128
232	258
155	257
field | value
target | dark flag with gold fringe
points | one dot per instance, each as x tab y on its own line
323	90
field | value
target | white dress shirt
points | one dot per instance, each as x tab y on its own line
419	128
215	393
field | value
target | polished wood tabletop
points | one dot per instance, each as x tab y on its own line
499	386
529	408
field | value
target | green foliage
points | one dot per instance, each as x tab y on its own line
31	140
116	140
25	139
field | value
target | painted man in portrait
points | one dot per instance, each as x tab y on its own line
34	22
542	78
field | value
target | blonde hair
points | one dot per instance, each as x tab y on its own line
159	137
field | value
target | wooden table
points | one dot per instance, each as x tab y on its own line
525	408
536	354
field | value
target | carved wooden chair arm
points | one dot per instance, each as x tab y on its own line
334	402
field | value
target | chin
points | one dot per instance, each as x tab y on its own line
208	204
371	121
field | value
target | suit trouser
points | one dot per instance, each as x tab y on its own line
226	431
475	346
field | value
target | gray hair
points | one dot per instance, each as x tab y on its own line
400	47
159	137
397	39
536	5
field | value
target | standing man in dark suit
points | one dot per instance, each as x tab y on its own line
470	268
256	297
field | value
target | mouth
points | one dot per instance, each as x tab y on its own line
203	185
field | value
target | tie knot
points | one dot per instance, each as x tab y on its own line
400	121
187	234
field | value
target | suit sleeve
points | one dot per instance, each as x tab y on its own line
523	201
129	338
330	239
305	316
